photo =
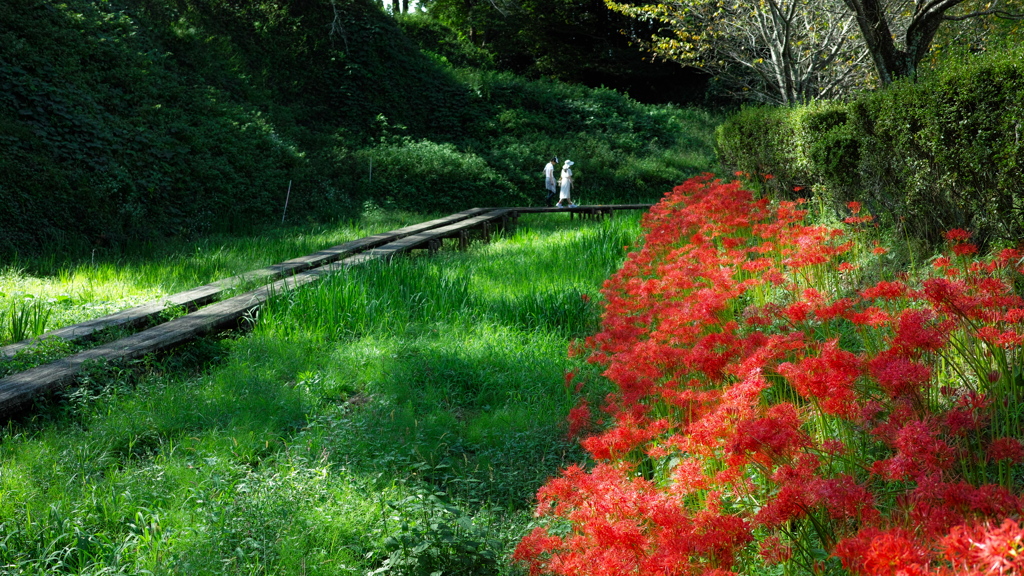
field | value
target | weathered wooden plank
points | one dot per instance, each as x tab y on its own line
196	297
20	388
422	239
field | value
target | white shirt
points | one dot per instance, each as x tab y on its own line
549	176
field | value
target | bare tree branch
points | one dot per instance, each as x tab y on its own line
336	27
997	13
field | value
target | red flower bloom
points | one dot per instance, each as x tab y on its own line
1006	449
898	375
985	548
773	551
918	331
957	235
874	552
731	411
579	418
964	249
885	290
828	377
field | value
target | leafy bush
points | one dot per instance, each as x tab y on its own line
435	177
758	142
434	537
443	42
941	153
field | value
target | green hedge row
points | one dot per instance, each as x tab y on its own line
944	152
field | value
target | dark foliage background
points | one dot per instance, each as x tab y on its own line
133	120
577	41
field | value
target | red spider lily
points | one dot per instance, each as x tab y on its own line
625	525
774	551
919	331
898	375
964	249
885	290
828	377
579	419
1005	448
755	388
920	452
986	549
874	552
957	235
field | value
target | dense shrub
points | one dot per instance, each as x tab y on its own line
940	153
444	43
758	141
623	150
107	137
423	175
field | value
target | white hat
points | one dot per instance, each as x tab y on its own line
569	163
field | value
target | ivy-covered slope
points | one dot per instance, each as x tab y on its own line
134	119
126	121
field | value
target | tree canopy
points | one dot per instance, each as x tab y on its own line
776	51
787	51
576	41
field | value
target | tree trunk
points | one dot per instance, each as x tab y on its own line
891	62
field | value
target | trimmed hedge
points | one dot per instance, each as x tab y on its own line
944	152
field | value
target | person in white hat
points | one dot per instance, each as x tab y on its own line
566	182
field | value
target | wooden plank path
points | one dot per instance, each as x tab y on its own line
590	209
18	389
196	297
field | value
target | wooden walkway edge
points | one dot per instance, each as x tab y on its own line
18	389
197	297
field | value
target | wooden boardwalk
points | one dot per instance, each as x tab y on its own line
17	390
193	299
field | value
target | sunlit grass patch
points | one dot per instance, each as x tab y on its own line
390	415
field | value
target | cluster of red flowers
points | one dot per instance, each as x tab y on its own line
775	400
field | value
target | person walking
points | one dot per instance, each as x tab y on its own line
549	181
565	193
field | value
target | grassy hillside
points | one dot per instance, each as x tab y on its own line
127	120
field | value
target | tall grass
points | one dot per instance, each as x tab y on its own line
43	293
393	419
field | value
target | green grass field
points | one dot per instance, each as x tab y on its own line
392	419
